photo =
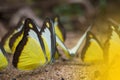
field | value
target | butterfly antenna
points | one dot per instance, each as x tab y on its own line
77	46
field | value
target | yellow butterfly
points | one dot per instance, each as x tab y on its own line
29	53
92	51
64	48
47	33
6	39
113	54
59	28
71	52
112	44
3	60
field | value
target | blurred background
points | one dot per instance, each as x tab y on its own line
74	14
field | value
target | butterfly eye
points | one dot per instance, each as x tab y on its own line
48	25
30	25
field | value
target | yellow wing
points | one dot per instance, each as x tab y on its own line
59	29
64	48
6	39
48	36
92	51
60	36
16	38
113	55
114	69
113	46
14	41
71	52
29	53
3	60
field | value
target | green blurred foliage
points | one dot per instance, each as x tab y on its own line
69	10
102	5
30	1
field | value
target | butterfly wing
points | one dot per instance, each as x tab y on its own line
114	69
92	51
60	36
113	45
3	60
113	55
64	48
59	29
48	37
14	40
6	39
29	53
74	50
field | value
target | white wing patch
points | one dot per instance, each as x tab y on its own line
33	35
47	36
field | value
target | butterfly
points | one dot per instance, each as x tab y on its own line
92	51
59	28
44	32
112	44
71	52
112	55
3	60
6	39
60	33
35	48
47	33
